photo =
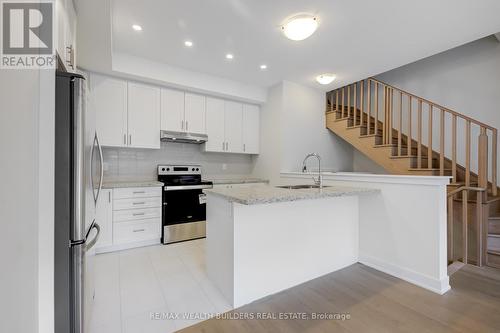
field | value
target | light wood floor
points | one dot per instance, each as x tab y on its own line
376	302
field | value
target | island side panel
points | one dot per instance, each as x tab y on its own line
219	245
280	245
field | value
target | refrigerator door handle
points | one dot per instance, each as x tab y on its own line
101	160
94	194
90	244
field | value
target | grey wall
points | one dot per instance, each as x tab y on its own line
465	79
122	164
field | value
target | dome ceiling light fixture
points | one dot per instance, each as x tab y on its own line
300	26
326	78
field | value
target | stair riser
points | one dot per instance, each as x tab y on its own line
494	227
493	242
493	260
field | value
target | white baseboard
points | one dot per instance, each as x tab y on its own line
126	246
439	286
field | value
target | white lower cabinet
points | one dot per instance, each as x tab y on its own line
104	218
131	217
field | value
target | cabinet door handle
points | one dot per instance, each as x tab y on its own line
138	203
130	139
223	146
227	146
109	196
138	214
187	125
244	147
182	124
138	192
138	230
124	139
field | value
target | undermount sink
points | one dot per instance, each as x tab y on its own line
299	187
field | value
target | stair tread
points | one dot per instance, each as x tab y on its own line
427	169
494	235
494	251
494	217
412	156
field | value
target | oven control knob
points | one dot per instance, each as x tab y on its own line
162	169
168	169
197	169
192	169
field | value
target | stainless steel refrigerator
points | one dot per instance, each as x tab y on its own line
78	182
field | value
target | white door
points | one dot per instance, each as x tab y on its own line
232	127
104	217
172	110
215	125
143	116
194	114
251	129
108	99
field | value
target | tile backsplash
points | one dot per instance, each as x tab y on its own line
125	164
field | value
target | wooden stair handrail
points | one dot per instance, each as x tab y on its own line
395	110
426	101
466	188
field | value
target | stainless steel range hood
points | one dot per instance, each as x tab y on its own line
182	137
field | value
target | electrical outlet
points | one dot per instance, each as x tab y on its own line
224	166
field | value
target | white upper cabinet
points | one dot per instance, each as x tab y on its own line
194	114
172	110
233	118
143	116
109	99
251	129
215	125
232	127
66	33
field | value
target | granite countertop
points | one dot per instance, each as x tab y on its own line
269	194
237	181
123	184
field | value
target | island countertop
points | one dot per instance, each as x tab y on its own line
264	194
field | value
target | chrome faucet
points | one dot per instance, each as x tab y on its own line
319	181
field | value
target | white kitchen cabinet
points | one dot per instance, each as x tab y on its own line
194	114
251	129
143	116
104	218
215	125
233	117
232	127
109	99
172	110
66	33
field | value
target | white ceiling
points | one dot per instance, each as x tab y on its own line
355	38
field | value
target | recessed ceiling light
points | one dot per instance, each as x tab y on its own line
229	56
137	27
263	67
325	78
300	26
188	43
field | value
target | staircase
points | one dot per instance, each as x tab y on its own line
409	135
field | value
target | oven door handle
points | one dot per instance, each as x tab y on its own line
187	187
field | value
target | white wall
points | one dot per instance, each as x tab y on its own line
293	125
465	79
304	131
267	163
26	200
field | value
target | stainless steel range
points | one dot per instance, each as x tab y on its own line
184	207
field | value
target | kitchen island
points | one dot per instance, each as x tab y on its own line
264	239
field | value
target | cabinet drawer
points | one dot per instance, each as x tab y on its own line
136	192
135	231
119	204
136	214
